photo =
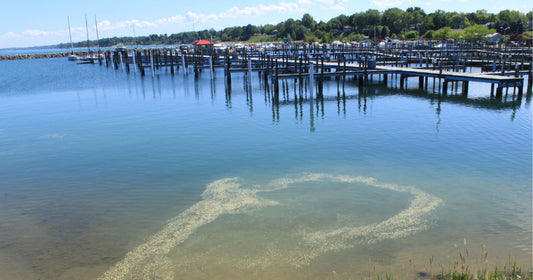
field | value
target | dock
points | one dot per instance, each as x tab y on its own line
502	68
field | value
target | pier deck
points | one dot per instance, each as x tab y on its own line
358	69
448	66
454	76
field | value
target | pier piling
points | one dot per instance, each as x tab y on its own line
296	62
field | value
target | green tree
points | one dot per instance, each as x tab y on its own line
288	29
334	23
357	20
354	37
267	29
310	38
416	15
439	19
248	32
309	22
429	35
480	17
410	35
343	20
323	26
385	31
236	33
395	19
370	17
476	33
373	17
442	34
366	22
327	38
457	21
510	22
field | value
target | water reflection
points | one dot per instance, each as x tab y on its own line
296	93
227	87
196	89
143	89
173	87
157	87
213	91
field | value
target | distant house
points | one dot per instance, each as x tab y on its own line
414	27
495	38
348	29
337	44
392	43
273	32
489	24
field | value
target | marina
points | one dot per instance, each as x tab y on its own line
448	66
178	140
109	174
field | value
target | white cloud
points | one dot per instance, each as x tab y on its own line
191	17
334	4
136	22
104	25
108	27
261	9
12	34
387	3
234	12
39	33
172	20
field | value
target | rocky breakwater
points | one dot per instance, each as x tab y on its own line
39	55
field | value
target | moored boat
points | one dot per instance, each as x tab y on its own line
72	56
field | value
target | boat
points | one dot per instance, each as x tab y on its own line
119	47
90	58
72	56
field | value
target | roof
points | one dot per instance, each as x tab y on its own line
203	42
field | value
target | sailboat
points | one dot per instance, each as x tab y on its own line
89	58
72	56
100	56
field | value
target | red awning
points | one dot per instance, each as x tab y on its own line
203	42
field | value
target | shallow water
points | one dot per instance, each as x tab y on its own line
109	175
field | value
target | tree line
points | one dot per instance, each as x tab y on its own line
411	24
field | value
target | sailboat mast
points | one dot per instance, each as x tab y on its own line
70	35
97	36
87	28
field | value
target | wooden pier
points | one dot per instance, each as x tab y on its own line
508	66
449	76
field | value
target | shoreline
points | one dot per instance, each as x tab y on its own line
40	55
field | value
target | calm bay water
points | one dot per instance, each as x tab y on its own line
114	176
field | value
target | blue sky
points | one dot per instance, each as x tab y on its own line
38	22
